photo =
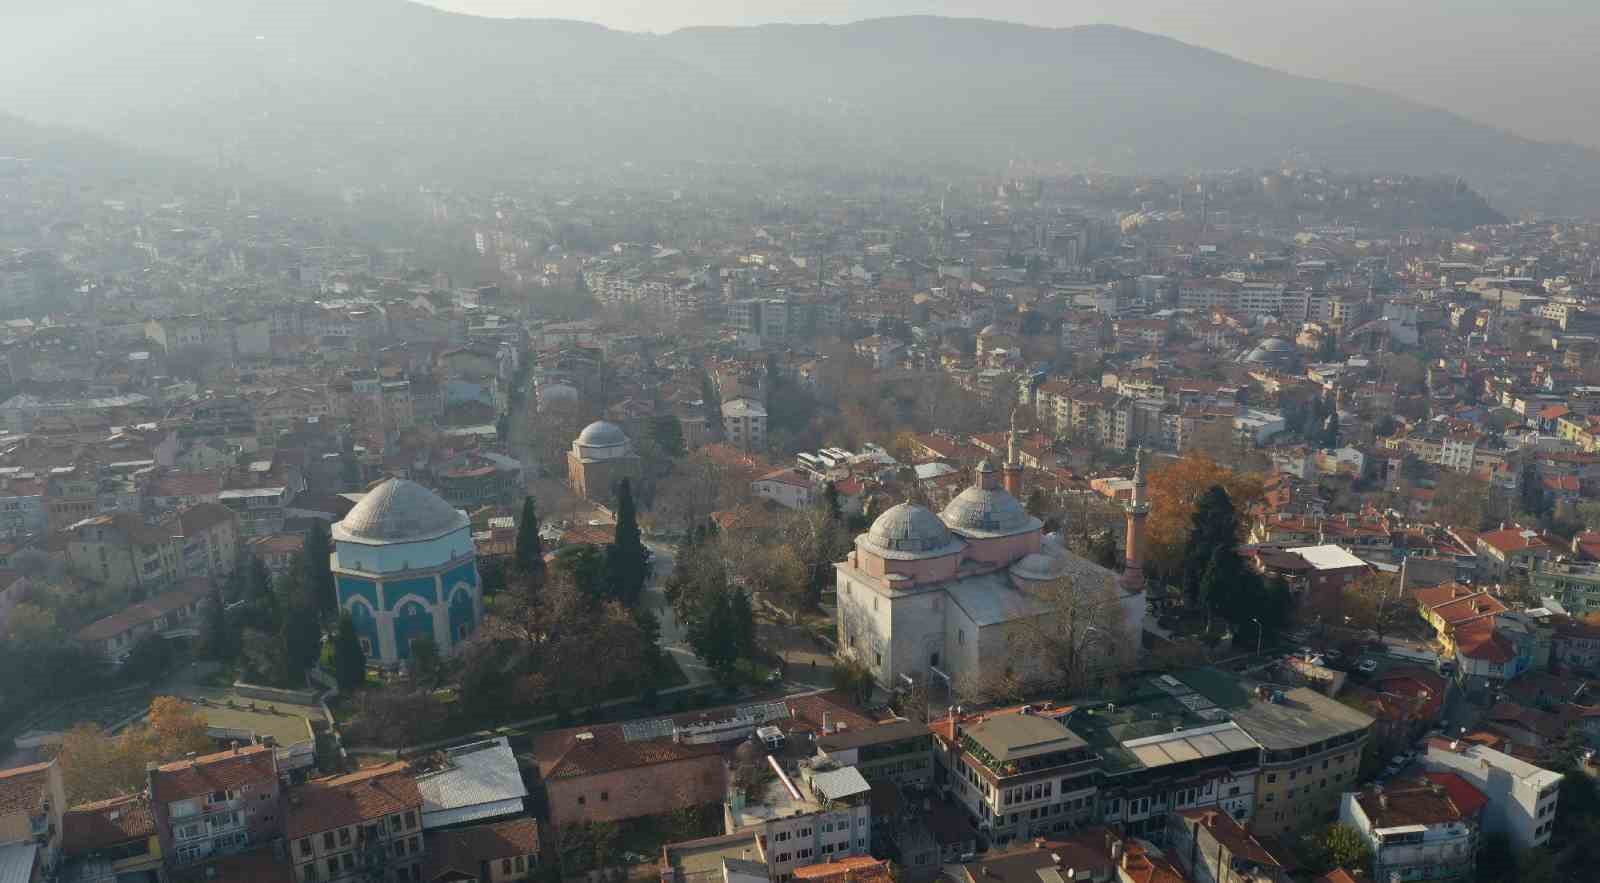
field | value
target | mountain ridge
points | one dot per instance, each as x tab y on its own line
392	90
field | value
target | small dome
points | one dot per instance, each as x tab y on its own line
989	331
979	510
1271	350
909	530
601	434
1039	567
398	511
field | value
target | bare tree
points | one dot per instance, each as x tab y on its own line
1076	640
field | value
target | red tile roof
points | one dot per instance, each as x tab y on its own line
223	771
22	788
106	823
464	850
1511	540
1479	640
141	613
350	799
1467	798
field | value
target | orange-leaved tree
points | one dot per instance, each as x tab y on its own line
1174	489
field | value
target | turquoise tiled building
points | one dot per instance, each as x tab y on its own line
405	568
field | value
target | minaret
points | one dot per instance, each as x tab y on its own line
1011	477
1133	573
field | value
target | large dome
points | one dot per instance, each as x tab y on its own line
1273	350
909	531
990	512
601	434
399	511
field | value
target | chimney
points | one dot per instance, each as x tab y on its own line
825	730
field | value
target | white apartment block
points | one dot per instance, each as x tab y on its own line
1522	797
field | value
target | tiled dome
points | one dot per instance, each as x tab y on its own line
909	530
399	511
993	511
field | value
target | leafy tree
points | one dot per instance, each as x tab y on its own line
1385	426
1103	550
831	504
742	624
299	632
711	634
626	570
218	641
585	566
321	596
1336	846
667	433
1175	491
259	584
530	548
1214	528
1533	498
428	667
853	679
349	663
150	658
175	728
30	624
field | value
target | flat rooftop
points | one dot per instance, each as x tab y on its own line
285	722
1009	737
1302	718
697	860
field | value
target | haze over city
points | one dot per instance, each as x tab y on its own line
525	441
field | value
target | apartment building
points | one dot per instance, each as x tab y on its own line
1418	829
744	424
1310	753
1019	773
216	804
357	826
1521	796
822	815
1210	847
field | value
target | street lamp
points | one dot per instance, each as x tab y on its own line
1258	634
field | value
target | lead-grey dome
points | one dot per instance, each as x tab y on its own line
399	511
988	512
601	434
909	531
1273	350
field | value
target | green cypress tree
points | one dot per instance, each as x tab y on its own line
219	644
625	558
530	548
318	586
349	663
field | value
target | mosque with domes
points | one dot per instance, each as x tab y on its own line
942	594
601	457
405	568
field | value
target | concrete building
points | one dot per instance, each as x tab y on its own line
32	801
406	569
1522	797
744	424
823	815
1310	752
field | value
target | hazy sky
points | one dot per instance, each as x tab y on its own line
1526	65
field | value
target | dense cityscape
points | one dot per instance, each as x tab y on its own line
737	522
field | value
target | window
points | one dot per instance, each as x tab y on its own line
505	866
605	795
327	839
416	844
348	860
305	846
394	823
521	864
1271	778
581	800
878	657
333	867
309	873
344	836
411	819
